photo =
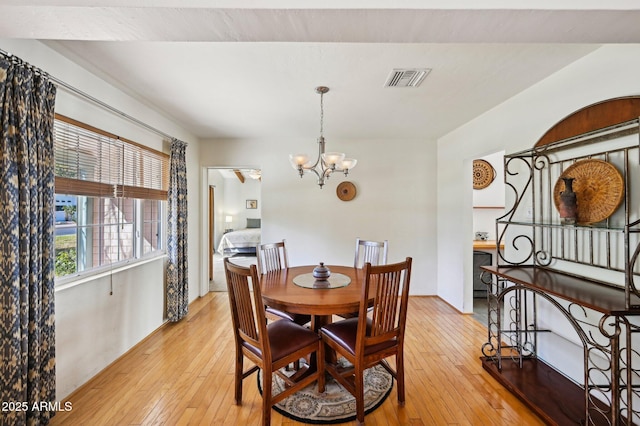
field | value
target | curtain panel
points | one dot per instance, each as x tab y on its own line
27	329
177	277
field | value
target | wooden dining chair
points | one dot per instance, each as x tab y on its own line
270	347
272	257
374	252
370	338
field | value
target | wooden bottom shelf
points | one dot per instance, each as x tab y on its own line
553	397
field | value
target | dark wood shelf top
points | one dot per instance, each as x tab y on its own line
592	294
552	396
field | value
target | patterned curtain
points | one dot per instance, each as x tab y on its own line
27	329
177	279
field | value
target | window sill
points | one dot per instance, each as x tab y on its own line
70	281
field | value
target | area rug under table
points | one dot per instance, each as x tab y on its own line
336	404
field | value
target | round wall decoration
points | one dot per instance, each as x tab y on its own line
599	189
346	191
483	174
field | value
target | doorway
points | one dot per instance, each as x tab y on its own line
211	218
488	205
234	204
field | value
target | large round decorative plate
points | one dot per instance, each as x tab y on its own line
483	174
346	191
599	189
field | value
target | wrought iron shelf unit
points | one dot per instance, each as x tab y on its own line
597	227
582	274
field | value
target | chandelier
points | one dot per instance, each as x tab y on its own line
327	162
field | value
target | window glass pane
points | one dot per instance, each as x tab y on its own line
85	232
107	244
115	240
151	210
127	242
94	232
65	235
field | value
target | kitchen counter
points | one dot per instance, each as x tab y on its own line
485	245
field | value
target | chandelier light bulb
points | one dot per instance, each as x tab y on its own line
348	164
332	158
298	160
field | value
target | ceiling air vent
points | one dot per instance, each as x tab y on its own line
408	77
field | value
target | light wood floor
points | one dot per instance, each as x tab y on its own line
183	374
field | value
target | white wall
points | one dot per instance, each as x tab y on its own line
609	72
93	326
396	197
235	200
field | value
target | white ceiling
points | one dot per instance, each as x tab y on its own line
248	69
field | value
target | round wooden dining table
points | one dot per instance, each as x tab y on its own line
281	292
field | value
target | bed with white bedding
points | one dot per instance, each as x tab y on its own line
242	241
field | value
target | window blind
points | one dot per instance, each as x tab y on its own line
92	162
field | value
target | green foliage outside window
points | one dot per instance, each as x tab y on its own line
69	213
65	262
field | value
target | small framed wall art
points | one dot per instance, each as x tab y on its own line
252	204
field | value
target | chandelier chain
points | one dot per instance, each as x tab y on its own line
321	112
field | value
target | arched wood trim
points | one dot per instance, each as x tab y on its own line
593	117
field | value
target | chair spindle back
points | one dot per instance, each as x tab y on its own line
247	315
272	257
374	252
389	287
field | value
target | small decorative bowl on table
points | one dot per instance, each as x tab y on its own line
321	273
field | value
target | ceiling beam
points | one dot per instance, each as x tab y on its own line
239	175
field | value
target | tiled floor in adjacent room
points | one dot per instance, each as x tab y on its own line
480	309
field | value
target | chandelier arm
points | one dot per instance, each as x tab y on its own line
319	160
314	170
